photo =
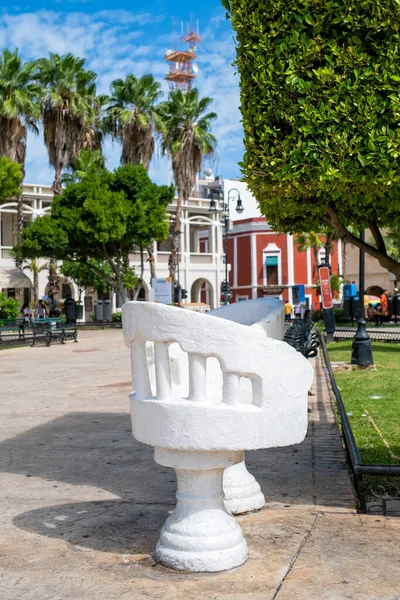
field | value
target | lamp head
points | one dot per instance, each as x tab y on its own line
239	206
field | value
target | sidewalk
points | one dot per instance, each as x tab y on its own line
82	503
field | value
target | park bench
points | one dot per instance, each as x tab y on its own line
302	337
11	330
200	427
51	330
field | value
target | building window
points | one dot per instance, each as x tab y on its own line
272	268
241	298
66	290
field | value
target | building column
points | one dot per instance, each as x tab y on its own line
309	268
290	261
235	262
254	282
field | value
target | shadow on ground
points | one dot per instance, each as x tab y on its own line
96	450
117	526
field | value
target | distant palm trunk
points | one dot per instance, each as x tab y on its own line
175	237
150	252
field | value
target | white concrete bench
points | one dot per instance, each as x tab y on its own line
202	430
242	492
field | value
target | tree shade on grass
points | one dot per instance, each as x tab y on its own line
321	114
373	393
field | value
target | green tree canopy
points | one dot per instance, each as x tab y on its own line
87	274
101	218
320	99
10	179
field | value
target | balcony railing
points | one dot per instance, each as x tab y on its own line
5	252
201	258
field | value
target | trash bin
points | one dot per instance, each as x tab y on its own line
98	310
78	311
107	310
69	307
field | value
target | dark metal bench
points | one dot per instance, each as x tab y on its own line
52	330
11	330
301	336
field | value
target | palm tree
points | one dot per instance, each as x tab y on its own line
133	118
88	161
186	138
69	118
19	111
68	109
35	269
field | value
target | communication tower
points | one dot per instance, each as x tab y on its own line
182	68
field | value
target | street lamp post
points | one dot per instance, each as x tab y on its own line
218	195
361	354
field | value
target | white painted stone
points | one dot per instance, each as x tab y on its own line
200	535
242	491
205	428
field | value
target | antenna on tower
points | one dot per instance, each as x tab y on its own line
182	69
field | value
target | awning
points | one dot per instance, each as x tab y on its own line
14	278
271	261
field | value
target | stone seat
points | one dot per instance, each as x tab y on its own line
202	433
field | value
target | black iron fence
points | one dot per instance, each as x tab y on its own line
377	486
379	336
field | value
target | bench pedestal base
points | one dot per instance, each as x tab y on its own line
242	491
201	535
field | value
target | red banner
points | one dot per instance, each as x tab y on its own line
325	284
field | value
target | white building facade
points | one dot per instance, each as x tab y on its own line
201	254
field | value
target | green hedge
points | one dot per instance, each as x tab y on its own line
320	102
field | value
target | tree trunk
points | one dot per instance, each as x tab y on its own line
53	278
175	237
315	252
384	260
20	224
150	252
120	286
35	291
57	181
328	247
139	284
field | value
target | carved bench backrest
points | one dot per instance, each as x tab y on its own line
242	351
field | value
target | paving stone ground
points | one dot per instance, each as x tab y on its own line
82	503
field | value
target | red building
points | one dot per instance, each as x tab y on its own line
265	263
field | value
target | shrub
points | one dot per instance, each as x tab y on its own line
9	307
117	317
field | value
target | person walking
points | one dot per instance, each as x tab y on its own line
297	311
288	310
42	310
384	304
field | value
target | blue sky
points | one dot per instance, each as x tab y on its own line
122	37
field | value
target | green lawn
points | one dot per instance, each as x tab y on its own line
357	387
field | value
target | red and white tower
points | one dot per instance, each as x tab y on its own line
182	68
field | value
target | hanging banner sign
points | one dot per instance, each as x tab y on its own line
326	291
162	290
